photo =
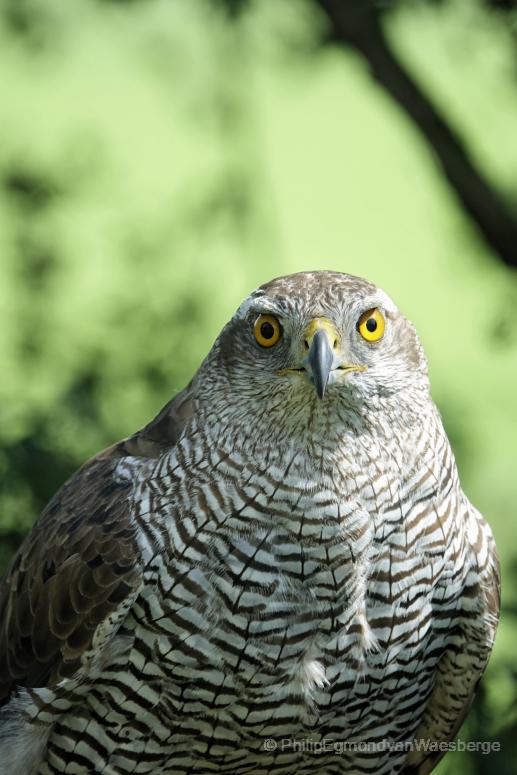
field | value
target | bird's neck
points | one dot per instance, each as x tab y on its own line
322	432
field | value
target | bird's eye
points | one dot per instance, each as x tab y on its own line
371	325
267	330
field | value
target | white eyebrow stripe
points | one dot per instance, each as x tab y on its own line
380	299
260	306
386	301
259	303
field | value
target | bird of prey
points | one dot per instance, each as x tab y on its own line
279	574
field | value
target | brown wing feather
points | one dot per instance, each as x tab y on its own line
79	562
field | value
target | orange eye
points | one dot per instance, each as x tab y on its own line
371	325
267	330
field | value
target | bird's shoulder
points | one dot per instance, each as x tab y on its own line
81	562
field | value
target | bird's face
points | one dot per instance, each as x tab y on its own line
318	338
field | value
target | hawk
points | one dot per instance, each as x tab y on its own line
279	574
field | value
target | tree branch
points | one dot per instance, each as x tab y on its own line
357	23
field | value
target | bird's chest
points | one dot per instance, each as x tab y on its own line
263	589
276	605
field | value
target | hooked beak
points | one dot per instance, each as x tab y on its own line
320	360
323	363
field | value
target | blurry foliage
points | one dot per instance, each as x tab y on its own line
159	160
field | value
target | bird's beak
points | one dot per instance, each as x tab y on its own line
323	360
322	339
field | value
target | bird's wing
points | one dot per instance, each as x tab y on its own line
461	667
79	564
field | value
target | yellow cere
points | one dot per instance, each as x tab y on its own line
322	324
267	330
371	325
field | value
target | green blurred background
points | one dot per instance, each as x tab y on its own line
159	159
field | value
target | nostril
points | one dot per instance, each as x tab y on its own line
306	343
335	344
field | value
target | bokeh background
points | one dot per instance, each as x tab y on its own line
159	159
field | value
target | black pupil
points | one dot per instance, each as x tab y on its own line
371	325
267	330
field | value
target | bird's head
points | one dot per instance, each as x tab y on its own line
314	344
